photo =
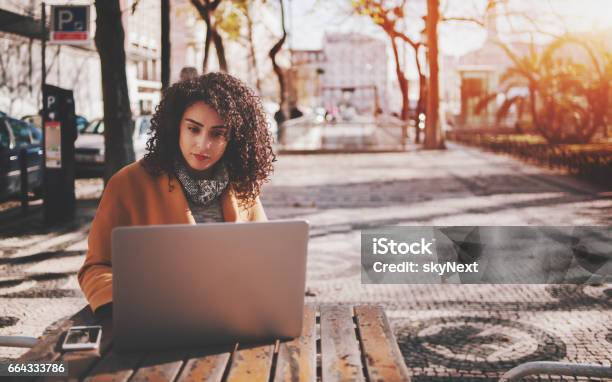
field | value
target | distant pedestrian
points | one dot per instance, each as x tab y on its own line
188	73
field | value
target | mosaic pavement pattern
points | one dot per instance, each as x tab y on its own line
446	332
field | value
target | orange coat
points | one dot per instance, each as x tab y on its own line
134	197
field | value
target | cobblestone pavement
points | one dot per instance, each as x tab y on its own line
446	332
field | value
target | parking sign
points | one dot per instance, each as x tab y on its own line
69	24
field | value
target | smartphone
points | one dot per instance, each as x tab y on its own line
82	338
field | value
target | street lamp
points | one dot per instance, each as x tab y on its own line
320	72
425	69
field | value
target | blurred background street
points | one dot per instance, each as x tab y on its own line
443	330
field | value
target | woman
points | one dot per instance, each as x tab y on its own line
209	154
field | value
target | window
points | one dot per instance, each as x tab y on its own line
145	70
472	87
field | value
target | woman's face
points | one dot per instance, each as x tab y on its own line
202	137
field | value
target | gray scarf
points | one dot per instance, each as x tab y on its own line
201	191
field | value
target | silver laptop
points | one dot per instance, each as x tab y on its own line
181	286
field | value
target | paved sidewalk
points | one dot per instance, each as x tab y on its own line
446	332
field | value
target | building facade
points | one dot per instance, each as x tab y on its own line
143	53
78	67
355	72
349	71
468	79
306	77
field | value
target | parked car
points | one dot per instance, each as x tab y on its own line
81	121
89	146
16	135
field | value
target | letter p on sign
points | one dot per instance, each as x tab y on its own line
65	17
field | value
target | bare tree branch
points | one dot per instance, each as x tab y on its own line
206	9
464	19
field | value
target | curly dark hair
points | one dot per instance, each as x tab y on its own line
248	154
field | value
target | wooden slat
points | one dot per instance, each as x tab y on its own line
160	366
206	365
115	367
340	353
384	361
297	359
251	363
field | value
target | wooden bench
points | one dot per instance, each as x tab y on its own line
338	343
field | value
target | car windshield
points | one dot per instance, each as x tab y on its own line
33	119
36	134
21	131
81	123
94	127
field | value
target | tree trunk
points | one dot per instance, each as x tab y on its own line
600	105
284	112
206	9
252	56
433	138
401	79
206	47
165	43
118	123
533	108
218	41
